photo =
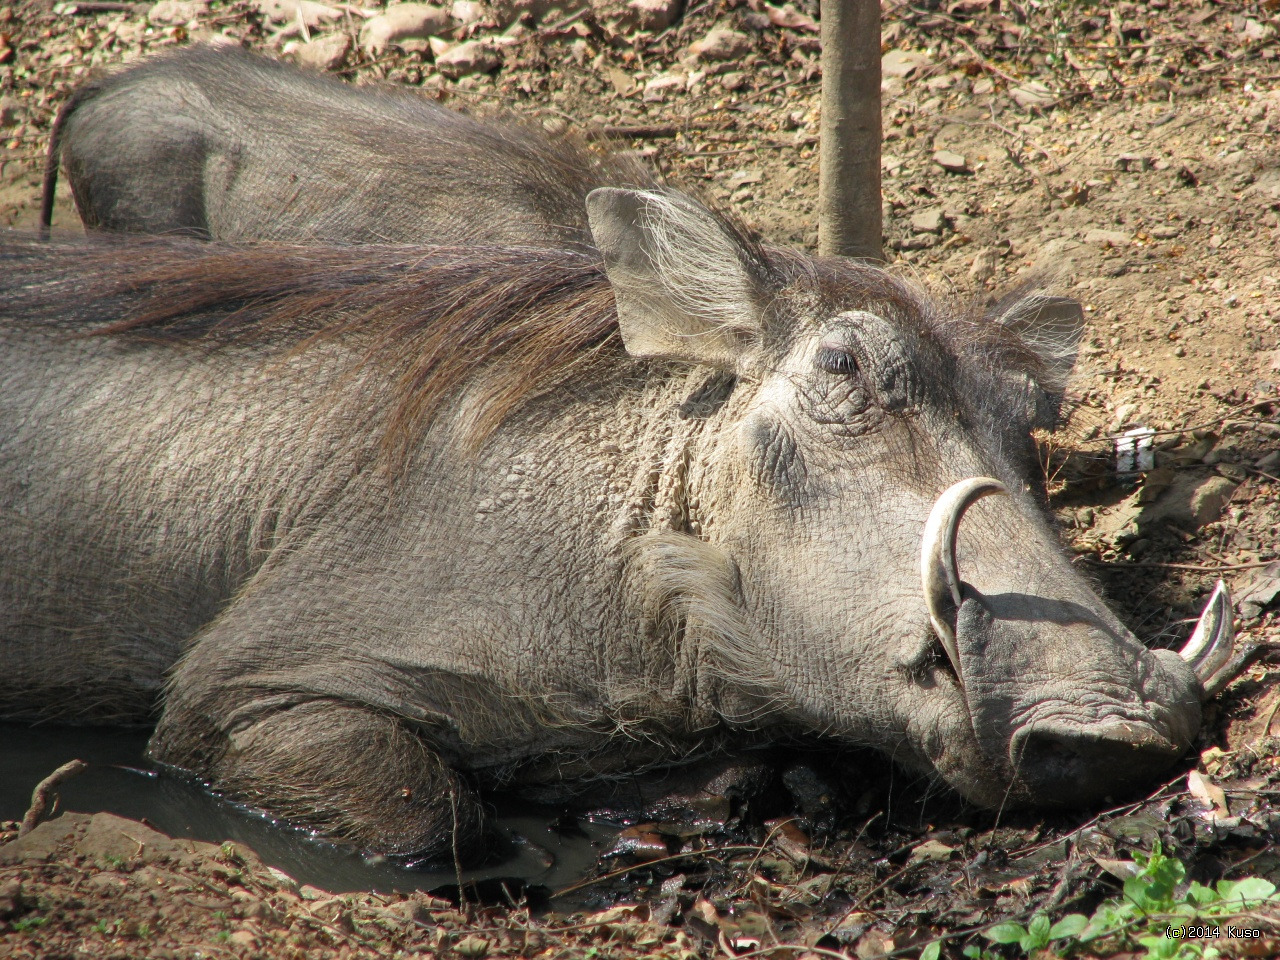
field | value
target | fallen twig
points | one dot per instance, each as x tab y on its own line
688	854
1197	568
1274	401
105	6
45	792
636	131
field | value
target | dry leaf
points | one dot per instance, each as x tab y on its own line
1210	794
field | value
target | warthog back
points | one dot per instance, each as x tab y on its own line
216	142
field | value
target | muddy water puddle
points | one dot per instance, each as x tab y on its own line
540	855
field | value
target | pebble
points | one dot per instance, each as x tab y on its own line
287	11
903	63
323	53
984	265
721	44
466	12
507	12
1132	161
656	89
951	161
469	58
642	842
1033	95
1210	498
928	221
177	11
626	16
1113	238
404	21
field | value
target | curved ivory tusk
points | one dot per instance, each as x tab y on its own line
1213	640
1232	669
938	572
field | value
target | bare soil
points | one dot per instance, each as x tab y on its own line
1128	151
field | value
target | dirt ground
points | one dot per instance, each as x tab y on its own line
1127	150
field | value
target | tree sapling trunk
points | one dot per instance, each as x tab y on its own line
849	218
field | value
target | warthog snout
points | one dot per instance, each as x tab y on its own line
1072	706
1066	764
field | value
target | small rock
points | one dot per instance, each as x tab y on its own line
655	90
951	161
931	850
984	265
623	82
1192	502
1166	231
472	947
109	837
1123	413
9	111
10	897
1110	238
1269	462
903	63
177	11
508	12
324	53
404	21
789	17
811	791
1132	161
411	911
627	16
472	57
642	842
466	12
1033	96
279	879
928	221
1257	590
286	11
721	44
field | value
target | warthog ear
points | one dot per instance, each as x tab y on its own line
1050	327
688	287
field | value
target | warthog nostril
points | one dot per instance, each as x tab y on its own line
1065	765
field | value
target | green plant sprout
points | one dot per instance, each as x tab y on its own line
1150	915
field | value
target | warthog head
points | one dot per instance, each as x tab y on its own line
847	570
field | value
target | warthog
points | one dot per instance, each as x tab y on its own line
215	142
403	524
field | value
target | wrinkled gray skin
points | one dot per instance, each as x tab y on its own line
215	142
713	539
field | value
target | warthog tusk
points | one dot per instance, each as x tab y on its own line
1212	642
938	571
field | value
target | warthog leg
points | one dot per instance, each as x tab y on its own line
349	772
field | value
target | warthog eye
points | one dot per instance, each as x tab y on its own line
836	360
